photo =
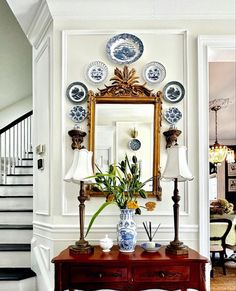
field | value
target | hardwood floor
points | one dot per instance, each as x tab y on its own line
221	282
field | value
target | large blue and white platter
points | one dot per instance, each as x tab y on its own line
124	48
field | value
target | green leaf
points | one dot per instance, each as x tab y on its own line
105	204
142	193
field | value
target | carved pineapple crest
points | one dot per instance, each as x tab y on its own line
125	83
127	78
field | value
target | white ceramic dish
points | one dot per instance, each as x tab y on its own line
172	115
78	113
154	72
173	92
77	92
97	72
151	248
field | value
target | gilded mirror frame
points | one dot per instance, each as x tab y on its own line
125	89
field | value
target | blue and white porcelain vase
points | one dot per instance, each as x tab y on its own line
126	231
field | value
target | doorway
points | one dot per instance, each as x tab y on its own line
207	47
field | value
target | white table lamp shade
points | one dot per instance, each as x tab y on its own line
176	165
81	167
69	174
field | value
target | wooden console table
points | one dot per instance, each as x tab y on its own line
129	271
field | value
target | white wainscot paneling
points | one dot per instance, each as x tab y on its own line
42	127
41	256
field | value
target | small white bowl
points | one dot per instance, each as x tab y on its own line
151	247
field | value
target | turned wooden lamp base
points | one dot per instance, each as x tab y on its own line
176	248
81	247
177	170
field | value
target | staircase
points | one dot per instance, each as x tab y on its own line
16	206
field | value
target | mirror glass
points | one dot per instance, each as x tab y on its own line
125	129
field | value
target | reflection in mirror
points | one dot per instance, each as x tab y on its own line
125	118
125	129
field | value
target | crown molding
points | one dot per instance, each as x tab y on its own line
39	25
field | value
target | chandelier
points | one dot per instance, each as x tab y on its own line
217	152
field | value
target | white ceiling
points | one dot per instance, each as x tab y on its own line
25	10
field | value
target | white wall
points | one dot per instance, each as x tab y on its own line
12	112
74	70
15	59
78	52
64	56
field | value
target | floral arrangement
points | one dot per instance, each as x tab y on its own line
221	206
122	187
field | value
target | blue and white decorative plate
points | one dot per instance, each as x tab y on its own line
124	48
172	115
173	92
78	113
154	72
97	72
77	92
134	144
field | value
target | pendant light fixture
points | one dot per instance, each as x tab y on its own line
218	152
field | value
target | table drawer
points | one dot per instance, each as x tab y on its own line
162	273
82	274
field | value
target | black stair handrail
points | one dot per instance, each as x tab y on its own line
18	120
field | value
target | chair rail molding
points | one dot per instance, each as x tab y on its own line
206	43
68	232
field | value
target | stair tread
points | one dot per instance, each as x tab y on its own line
16	226
18	196
15	247
16	185
16	210
19	175
15	274
24	166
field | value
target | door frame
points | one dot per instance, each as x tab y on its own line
206	45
